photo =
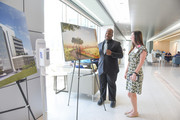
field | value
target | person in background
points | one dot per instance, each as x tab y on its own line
168	56
95	61
109	50
178	54
134	72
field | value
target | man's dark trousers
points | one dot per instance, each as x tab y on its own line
110	79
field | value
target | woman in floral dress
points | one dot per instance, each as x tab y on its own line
134	73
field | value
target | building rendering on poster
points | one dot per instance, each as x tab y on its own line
79	42
16	56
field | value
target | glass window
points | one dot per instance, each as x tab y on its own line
91	25
72	16
78	19
4	52
64	15
98	30
83	21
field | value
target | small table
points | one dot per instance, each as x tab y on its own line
55	82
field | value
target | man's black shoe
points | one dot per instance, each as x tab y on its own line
113	104
100	102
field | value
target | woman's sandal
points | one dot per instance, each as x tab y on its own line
127	112
132	115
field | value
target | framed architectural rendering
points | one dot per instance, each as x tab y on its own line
16	56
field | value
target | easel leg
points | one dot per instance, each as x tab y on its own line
71	82
97	83
78	91
27	104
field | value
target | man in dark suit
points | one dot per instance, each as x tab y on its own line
109	50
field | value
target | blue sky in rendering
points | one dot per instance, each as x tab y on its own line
15	20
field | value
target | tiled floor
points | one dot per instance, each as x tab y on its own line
160	99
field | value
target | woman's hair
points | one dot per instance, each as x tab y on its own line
137	39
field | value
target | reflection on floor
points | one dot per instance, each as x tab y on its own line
160	99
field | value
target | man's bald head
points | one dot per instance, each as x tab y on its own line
109	34
109	29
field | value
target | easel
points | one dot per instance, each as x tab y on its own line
78	85
25	100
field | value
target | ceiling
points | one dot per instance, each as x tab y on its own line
95	10
152	17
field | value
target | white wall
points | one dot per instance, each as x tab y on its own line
53	37
127	47
34	11
174	47
178	45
